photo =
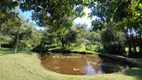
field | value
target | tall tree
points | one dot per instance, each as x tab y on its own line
6	13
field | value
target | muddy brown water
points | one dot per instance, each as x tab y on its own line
80	64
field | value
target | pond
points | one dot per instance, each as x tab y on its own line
81	64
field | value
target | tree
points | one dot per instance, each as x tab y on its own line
82	32
28	36
124	15
113	42
6	13
54	13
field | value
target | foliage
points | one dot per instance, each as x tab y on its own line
8	17
82	32
112	41
28	36
125	14
114	17
122	15
107	36
63	36
54	13
76	37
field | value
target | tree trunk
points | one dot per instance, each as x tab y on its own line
130	50
17	40
0	35
135	48
128	42
140	41
62	41
41	47
63	45
140	45
133	42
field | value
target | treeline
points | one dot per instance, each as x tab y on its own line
117	27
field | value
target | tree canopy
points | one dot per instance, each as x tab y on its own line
124	13
55	13
113	17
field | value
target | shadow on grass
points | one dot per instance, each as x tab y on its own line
4	51
135	72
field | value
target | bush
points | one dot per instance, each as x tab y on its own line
113	48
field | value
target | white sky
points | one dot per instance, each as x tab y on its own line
85	19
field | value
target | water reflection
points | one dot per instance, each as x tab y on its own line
90	70
77	64
110	66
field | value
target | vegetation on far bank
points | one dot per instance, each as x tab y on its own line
4	51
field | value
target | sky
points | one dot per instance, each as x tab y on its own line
27	15
83	20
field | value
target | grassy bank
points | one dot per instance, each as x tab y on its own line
27	67
132	61
74	50
4	51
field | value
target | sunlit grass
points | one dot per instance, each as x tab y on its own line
75	49
83	49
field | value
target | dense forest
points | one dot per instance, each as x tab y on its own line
116	30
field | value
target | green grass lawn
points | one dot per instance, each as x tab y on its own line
4	51
22	66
